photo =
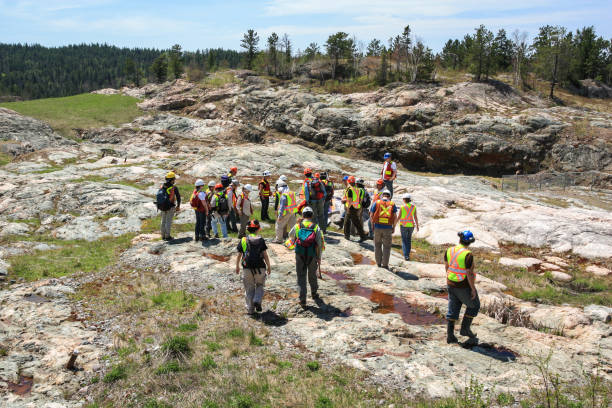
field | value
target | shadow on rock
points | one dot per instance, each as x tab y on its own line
271	318
179	241
326	311
499	353
407	275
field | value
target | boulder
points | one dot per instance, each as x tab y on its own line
598	270
561	276
29	133
598	312
520	262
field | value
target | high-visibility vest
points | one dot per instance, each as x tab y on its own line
265	191
303	190
171	193
387	172
384	213
376	195
234	197
243	242
455	256
291	207
355	200
290	242
407	215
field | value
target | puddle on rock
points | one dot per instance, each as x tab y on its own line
23	387
218	258
359	259
410	313
35	298
336	275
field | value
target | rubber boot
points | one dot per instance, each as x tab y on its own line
465	327
450	332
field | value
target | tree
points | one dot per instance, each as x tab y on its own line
405	43
159	69
375	48
480	52
381	77
130	68
175	57
338	46
273	51
286	44
552	54
502	51
249	42
519	51
311	51
416	54
590	55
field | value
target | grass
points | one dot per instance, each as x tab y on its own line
219	79
177	346
175	300
5	159
116	373
171	366
80	111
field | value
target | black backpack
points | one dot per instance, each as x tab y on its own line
222	204
163	199
253	258
367	200
329	191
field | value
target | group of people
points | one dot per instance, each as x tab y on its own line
301	222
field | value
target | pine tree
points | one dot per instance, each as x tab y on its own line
272	52
249	43
175	57
159	69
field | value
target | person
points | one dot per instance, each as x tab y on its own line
200	207
277	193
220	208
314	195
232	173
254	259
307	239
389	172
343	214
352	202
408	220
209	194
168	202
380	185
232	197
461	283
285	216
366	200
329	196
264	195
383	213
245	209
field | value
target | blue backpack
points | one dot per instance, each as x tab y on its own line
306	242
163	200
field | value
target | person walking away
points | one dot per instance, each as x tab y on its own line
232	199
383	213
408	220
255	265
200	207
329	196
380	185
209	195
461	283
168	201
245	209
366	201
232	173
314	195
389	172
264	195
307	239
352	202
285	216
220	207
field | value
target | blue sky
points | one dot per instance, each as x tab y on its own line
210	23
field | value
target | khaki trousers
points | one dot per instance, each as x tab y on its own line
382	245
283	225
253	280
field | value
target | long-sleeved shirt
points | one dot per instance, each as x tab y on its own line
177	194
307	189
282	202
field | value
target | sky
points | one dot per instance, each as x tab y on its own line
210	23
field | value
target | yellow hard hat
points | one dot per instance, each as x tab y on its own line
170	175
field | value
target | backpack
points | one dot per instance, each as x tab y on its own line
162	199
316	190
329	191
306	240
194	200
225	181
367	200
222	204
253	258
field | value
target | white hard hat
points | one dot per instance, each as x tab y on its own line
283	178
266	173
248	187
406	196
282	184
199	183
211	183
235	181
307	210
385	191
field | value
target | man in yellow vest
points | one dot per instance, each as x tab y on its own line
461	283
408	220
170	204
352	201
265	192
389	172
287	208
383	213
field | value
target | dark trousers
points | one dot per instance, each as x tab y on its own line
353	217
306	266
389	185
458	297
230	221
208	223
265	203
200	226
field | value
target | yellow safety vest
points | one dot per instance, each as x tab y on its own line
292	205
355	200
407	215
455	257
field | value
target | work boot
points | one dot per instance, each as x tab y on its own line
257	306
450	332
465	327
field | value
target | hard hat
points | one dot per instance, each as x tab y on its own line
360	181
170	175
253	224
307	210
385	192
351	179
234	169
380	182
283	178
466	236
266	173
211	183
317	175
248	188
307	171
387	155
235	182
282	184
406	196
345	178
199	183
218	186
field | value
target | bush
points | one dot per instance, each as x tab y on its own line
177	346
313	365
116	373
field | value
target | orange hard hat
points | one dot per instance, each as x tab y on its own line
218	185
253	224
380	182
307	171
317	175
351	179
234	169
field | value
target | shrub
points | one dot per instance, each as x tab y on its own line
177	346
313	365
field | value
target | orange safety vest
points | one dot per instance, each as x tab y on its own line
355	200
171	194
384	213
265	191
387	172
407	215
376	195
455	256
